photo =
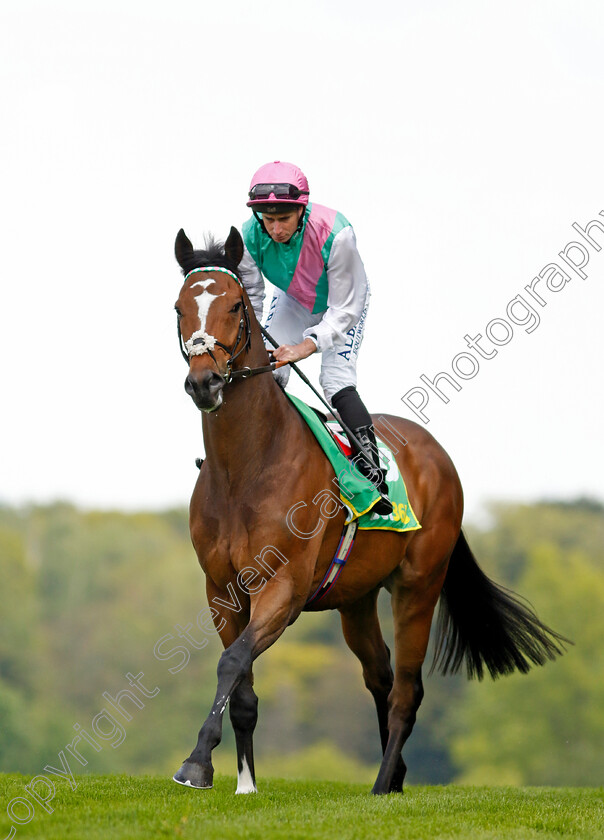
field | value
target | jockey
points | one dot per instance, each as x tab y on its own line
309	253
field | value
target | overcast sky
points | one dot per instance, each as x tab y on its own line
461	139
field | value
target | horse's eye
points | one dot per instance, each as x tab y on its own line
237	307
178	312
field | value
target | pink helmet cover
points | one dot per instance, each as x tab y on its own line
280	172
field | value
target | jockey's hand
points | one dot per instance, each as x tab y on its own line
295	352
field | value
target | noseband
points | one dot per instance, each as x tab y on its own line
205	343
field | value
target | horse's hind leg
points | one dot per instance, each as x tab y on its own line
243	709
414	597
363	636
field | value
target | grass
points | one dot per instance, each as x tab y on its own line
118	807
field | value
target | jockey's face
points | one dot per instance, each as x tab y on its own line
282	226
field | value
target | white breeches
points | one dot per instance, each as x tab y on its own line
287	319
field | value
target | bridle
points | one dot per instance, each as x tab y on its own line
205	344
200	345
246	372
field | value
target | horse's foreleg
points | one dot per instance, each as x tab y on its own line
270	615
197	771
243	709
363	636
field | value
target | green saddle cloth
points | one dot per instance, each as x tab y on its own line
357	492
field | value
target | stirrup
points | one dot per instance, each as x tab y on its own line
383	507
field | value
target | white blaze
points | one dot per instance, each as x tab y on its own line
203	301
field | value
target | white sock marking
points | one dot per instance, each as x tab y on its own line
245	783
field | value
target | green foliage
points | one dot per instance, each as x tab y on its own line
86	596
545	728
17	607
503	548
322	761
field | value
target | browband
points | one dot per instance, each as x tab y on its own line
214	268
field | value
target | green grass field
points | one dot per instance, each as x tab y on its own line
116	807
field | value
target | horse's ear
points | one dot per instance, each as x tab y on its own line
182	247
233	247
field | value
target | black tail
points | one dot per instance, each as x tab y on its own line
487	625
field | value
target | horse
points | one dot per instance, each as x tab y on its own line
263	462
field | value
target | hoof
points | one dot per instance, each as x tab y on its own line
195	776
378	791
396	785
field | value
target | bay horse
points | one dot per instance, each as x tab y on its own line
263	462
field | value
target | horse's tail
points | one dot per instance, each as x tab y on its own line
486	625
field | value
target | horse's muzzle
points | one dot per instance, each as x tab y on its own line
205	389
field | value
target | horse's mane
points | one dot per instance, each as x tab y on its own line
212	254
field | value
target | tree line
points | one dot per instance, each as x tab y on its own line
106	648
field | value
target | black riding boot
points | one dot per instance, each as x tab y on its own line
373	471
351	409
